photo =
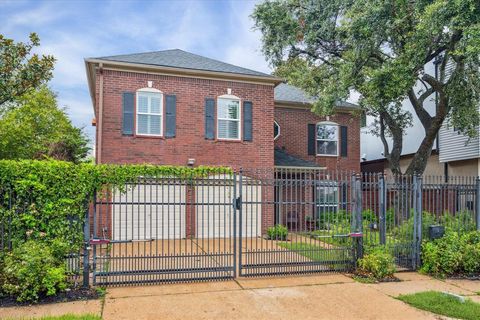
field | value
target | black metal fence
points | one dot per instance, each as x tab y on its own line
259	223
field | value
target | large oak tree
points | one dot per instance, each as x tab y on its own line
381	49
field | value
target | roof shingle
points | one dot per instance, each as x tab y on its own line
177	58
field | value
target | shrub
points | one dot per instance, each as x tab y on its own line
31	270
452	254
278	232
377	264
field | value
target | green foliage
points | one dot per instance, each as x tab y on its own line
20	70
37	128
31	270
278	232
72	317
384	51
452	254
440	303
377	264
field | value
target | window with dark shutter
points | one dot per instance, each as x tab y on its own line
311	139
343	141
247	121
171	116
209	119
128	113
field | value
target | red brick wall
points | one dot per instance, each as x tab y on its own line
189	141
294	137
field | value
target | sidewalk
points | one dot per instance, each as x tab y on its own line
334	296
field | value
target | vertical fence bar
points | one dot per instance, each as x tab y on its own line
382	195
358	215
239	210
477	203
86	247
417	211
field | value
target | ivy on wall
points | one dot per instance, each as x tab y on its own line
47	200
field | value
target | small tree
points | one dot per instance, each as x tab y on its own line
381	50
20	70
37	128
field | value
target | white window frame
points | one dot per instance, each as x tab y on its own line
239	120
149	91
327	123
278	135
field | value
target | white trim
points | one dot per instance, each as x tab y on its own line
239	120
160	113
278	135
327	123
151	90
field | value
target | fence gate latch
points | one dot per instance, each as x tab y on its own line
237	203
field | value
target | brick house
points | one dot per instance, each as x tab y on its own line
177	108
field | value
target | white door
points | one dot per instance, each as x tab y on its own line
147	212
214	219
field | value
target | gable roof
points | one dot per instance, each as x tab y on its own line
286	93
176	58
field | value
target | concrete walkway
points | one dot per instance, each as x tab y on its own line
303	297
306	297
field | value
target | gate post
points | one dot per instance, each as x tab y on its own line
477	203
234	205
86	247
417	212
382	196
357	219
238	202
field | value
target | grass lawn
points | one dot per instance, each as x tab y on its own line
319	254
440	303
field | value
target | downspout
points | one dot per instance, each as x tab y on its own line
100	115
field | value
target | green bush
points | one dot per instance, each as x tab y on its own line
377	264
278	232
453	254
31	270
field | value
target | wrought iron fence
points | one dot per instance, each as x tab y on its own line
257	222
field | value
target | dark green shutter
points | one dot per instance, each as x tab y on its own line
344	141
311	139
209	119
247	121
171	116
128	104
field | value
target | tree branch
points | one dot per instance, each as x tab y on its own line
417	104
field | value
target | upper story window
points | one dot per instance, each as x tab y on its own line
276	130
327	139
149	112
228	118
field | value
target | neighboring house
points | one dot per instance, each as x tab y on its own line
176	108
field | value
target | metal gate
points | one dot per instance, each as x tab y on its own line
304	218
251	223
167	229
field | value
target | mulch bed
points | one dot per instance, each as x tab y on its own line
464	277
365	278
74	294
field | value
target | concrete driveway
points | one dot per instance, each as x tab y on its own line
306	297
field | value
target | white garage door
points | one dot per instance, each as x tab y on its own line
162	218
215	220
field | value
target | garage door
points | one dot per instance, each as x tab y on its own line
215	220
149	211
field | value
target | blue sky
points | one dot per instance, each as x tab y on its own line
77	29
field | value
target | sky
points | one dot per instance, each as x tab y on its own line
77	29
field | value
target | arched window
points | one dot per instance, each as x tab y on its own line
276	130
228	117
327	139
149	112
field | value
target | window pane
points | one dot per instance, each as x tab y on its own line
142	124
327	147
142	103
327	132
154	104
155	123
228	129
228	109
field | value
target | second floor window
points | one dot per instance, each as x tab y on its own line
149	113
228	119
327	139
